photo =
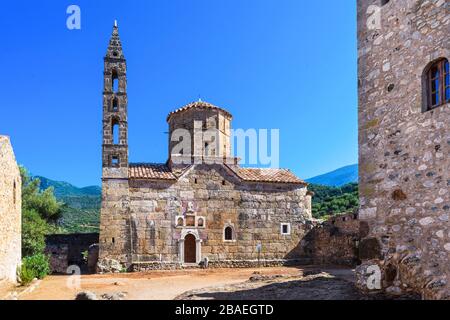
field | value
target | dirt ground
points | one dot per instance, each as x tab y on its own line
5	289
155	285
317	285
266	283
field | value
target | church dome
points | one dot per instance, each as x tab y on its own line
208	126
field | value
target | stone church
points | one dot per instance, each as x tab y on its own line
200	205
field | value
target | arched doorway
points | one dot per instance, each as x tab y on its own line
190	253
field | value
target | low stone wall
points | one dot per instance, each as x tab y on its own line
58	254
256	263
149	266
92	258
157	265
334	242
67	249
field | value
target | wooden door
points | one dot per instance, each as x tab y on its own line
189	249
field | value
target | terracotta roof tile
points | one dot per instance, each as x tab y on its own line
150	171
266	175
198	105
158	171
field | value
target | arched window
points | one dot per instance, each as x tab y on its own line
115	131
115	81
437	84
180	222
200	222
115	104
228	233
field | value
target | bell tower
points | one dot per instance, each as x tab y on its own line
114	242
115	105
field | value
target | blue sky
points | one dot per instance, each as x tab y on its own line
287	64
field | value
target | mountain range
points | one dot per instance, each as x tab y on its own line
338	177
62	189
81	212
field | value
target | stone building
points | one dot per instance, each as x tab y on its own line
200	203
404	139
10	212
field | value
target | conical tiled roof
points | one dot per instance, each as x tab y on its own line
198	105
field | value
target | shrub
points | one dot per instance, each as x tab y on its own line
26	275
34	229
85	255
123	270
36	266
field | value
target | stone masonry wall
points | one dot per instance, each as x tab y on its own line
334	242
254	211
403	151
114	220
205	120
67	249
10	212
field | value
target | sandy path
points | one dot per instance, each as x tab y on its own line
163	285
5	289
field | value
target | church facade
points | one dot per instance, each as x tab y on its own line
200	205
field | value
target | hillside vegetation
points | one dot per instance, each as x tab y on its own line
328	201
81	210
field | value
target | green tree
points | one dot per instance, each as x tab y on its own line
40	211
34	229
43	202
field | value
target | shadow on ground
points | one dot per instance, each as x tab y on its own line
317	288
